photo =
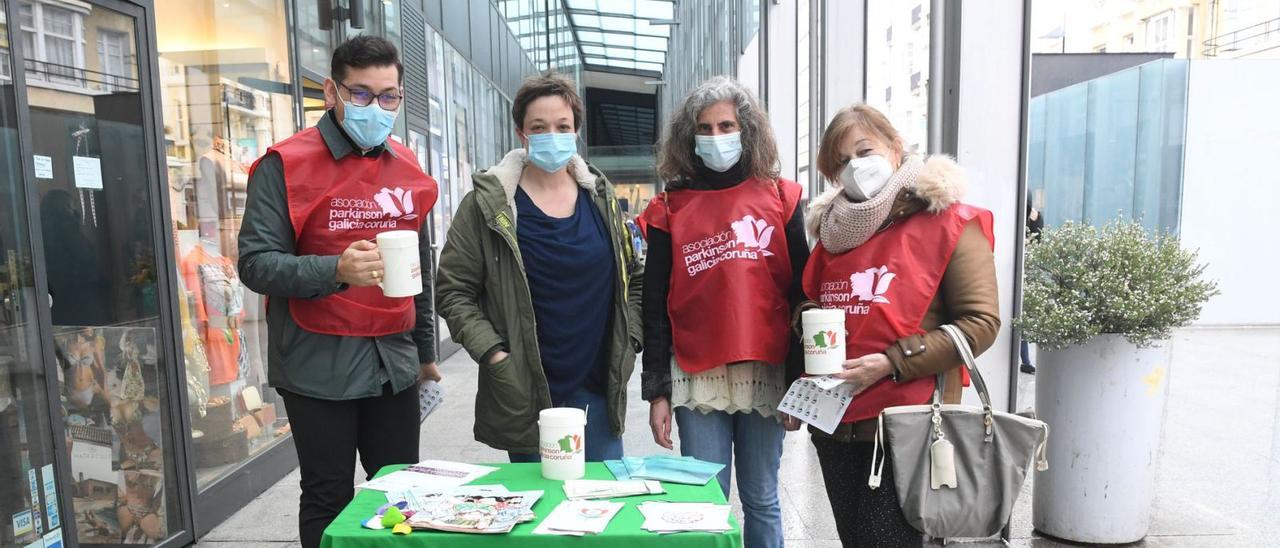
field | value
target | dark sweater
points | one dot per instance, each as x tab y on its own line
571	272
656	377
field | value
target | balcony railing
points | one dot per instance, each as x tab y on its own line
68	75
1244	38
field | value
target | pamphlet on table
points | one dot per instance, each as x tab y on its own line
579	517
606	489
432	474
680	517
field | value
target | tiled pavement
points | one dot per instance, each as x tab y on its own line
1218	482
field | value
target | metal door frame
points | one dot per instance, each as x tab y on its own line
142	12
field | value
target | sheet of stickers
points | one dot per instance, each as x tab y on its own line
819	401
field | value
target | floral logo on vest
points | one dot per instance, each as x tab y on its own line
871	284
752	232
397	203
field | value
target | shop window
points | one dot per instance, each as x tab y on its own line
227	97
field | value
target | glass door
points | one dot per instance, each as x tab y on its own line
29	463
89	132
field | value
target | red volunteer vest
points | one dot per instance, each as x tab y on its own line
333	203
885	287
730	271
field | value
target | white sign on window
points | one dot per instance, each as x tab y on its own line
44	166
88	172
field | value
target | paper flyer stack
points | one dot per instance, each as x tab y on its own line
579	517
428	474
606	489
681	517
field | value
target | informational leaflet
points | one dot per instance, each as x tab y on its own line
430	396
44	166
579	517
436	474
819	401
679	517
87	171
606	489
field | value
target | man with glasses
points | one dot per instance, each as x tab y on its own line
345	358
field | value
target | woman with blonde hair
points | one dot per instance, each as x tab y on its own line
902	256
726	248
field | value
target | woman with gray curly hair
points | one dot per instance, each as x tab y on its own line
726	252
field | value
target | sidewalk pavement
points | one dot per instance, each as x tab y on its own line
1218	484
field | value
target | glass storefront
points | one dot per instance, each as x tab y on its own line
132	358
88	139
227	96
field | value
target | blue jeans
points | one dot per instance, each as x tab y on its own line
601	443
756	442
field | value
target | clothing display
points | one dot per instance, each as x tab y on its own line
219	308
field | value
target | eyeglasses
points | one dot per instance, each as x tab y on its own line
388	100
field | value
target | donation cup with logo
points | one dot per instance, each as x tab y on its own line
823	335
403	264
562	442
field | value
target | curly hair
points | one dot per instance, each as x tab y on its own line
676	158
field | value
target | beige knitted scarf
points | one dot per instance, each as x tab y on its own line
844	224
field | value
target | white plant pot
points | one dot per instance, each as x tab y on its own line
1104	402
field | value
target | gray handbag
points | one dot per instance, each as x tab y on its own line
958	468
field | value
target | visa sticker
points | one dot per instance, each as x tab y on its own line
22	523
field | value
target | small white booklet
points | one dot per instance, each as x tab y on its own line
430	396
608	489
679	517
579	517
819	401
434	474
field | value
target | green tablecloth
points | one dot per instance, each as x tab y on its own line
623	531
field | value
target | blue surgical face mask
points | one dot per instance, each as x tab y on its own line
370	125
719	152
551	151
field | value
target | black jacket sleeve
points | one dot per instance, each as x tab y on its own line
655	378
798	248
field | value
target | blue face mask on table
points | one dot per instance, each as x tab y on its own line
686	470
551	151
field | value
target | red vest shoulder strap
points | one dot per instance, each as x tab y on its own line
791	192
655	215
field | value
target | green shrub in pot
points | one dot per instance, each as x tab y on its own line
1081	281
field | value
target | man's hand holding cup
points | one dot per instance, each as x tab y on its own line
360	265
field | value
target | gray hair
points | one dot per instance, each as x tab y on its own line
676	158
